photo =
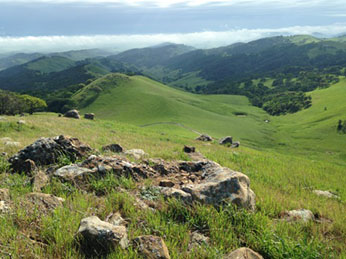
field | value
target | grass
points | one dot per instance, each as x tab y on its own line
281	182
285	160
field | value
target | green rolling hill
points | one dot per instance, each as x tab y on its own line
140	101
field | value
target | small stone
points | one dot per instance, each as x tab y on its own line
116	219
299	215
39	181
136	153
327	194
243	253
99	237
4	207
12	144
116	148
151	247
176	194
21	122
166	183
4	194
44	202
198	240
89	116
204	137
72	172
189	149
235	144
4	154
226	140
29	166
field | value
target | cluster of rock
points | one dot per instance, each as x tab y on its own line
223	141
75	115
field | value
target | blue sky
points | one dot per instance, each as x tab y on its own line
53	25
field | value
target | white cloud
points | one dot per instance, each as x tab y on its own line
207	39
192	3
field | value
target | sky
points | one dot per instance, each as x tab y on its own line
60	25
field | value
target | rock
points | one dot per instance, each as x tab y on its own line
72	114
21	122
222	185
235	144
5	139
226	140
298	215
59	115
39	181
12	144
243	253
72	173
151	247
22	115
4	154
204	137
166	183
189	149
29	166
116	219
4	207
4	194
176	194
327	194
99	237
43	202
116	148
136	153
46	151
197	240
89	116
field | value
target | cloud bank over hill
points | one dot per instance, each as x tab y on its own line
206	39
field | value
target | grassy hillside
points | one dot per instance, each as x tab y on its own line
140	101
314	130
281	182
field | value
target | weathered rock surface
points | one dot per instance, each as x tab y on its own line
327	194
4	207
12	144
116	148
116	219
243	253
166	183
298	215
151	247
221	184
226	140
43	202
99	237
135	153
72	114
46	151
204	137
177	194
189	149
89	116
198	240
39	181
73	173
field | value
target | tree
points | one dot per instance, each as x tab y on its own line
33	104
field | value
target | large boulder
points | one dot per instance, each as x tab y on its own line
72	114
151	247
204	137
243	253
99	237
226	140
46	151
221	185
116	148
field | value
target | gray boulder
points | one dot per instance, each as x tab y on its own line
326	194
72	173
72	114
176	193
89	116
189	149
302	215
226	140
135	153
222	185
99	237
235	144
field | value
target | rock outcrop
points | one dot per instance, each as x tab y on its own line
116	148
46	151
72	114
151	247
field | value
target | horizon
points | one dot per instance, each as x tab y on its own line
45	26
